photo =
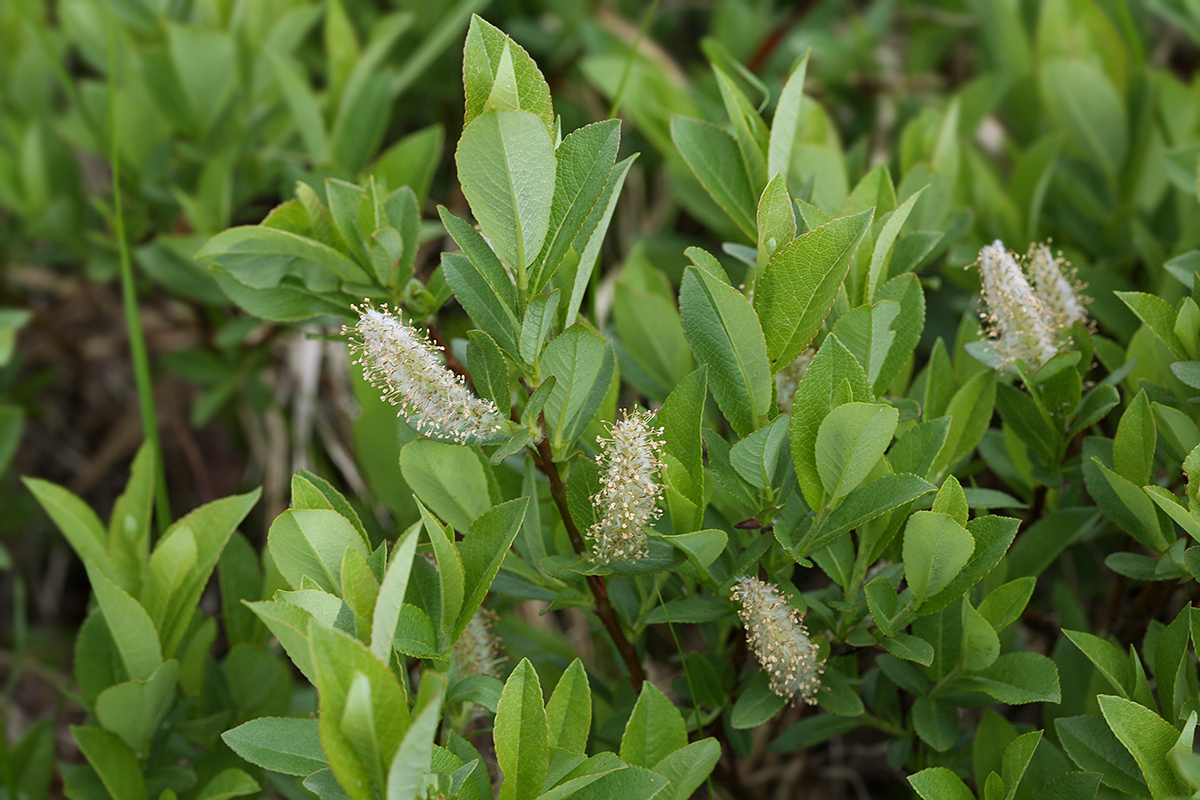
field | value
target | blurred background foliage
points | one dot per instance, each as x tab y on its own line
1073	120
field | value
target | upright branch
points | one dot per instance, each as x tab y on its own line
604	609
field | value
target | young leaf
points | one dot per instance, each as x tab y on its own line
654	731
797	288
715	160
725	336
312	543
1149	738
936	548
569	712
506	167
851	440
521	735
280	744
498	73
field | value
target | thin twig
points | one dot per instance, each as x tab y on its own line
604	609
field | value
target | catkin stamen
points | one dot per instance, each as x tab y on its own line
402	362
628	494
779	639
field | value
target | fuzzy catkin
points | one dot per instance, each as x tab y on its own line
477	651
1056	286
1017	319
628	494
403	363
779	639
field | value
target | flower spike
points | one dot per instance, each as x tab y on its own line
779	639
402	362
628	491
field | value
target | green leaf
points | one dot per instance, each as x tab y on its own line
449	570
1110	660
260	257
412	762
285	745
654	731
363	710
132	630
755	457
725	335
687	768
970	412
1017	678
1016	760
506	167
867	333
850	442
302	103
650	343
1133	446
78	523
1004	604
1149	738
785	127
489	370
481	283
862	505
748	128
1070	786
797	288
776	219
756	704
1086	107
883	602
390	600
228	783
992	536
1093	747
910	648
113	761
939	783
183	561
483	548
312	543
980	645
884	242
498	73
569	712
681	418
289	624
129	524
936	548
701	547
582	366
134	710
539	316
449	479
521	735
585	161
715	160
936	723
831	369
1158	315
606	780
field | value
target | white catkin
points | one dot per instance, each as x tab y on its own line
628	494
1017	319
787	380
779	639
477	651
402	362
1056	286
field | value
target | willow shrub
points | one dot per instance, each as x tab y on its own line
801	513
